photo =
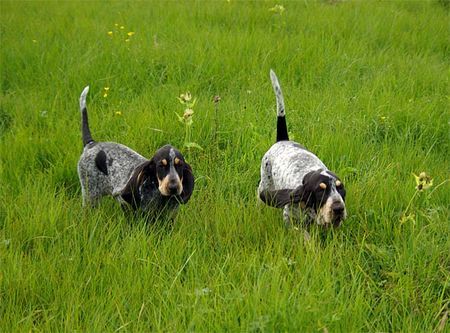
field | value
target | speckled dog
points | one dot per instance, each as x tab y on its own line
296	179
156	186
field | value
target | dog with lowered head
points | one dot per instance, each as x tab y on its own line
296	180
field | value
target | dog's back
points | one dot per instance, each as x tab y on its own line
105	167
285	164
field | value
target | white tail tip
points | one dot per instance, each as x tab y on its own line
278	94
83	98
273	77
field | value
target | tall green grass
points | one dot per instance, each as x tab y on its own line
367	88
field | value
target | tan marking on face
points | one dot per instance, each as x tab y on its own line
177	161
338	183
164	162
323	186
325	215
164	186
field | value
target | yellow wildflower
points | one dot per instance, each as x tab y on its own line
34	41
118	113
122	27
116	24
131	33
110	33
127	40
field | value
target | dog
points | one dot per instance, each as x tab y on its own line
295	179
154	187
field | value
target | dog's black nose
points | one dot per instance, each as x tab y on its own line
173	188
338	209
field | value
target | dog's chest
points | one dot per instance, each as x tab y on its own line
152	202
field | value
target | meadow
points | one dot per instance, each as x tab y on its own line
366	86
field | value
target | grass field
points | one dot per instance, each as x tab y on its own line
366	86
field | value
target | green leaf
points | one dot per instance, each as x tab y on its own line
180	118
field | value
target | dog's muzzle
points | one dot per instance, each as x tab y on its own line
338	213
174	187
333	212
170	185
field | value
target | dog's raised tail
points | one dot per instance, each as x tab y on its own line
282	133
85	131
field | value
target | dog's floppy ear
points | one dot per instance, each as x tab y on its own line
280	198
146	172
188	183
277	198
307	196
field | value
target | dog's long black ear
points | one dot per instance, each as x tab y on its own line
301	194
146	172
188	183
307	196
277	198
280	198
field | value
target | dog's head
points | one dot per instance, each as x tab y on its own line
172	172
322	196
164	177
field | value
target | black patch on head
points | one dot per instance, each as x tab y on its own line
101	163
163	169
314	194
341	188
